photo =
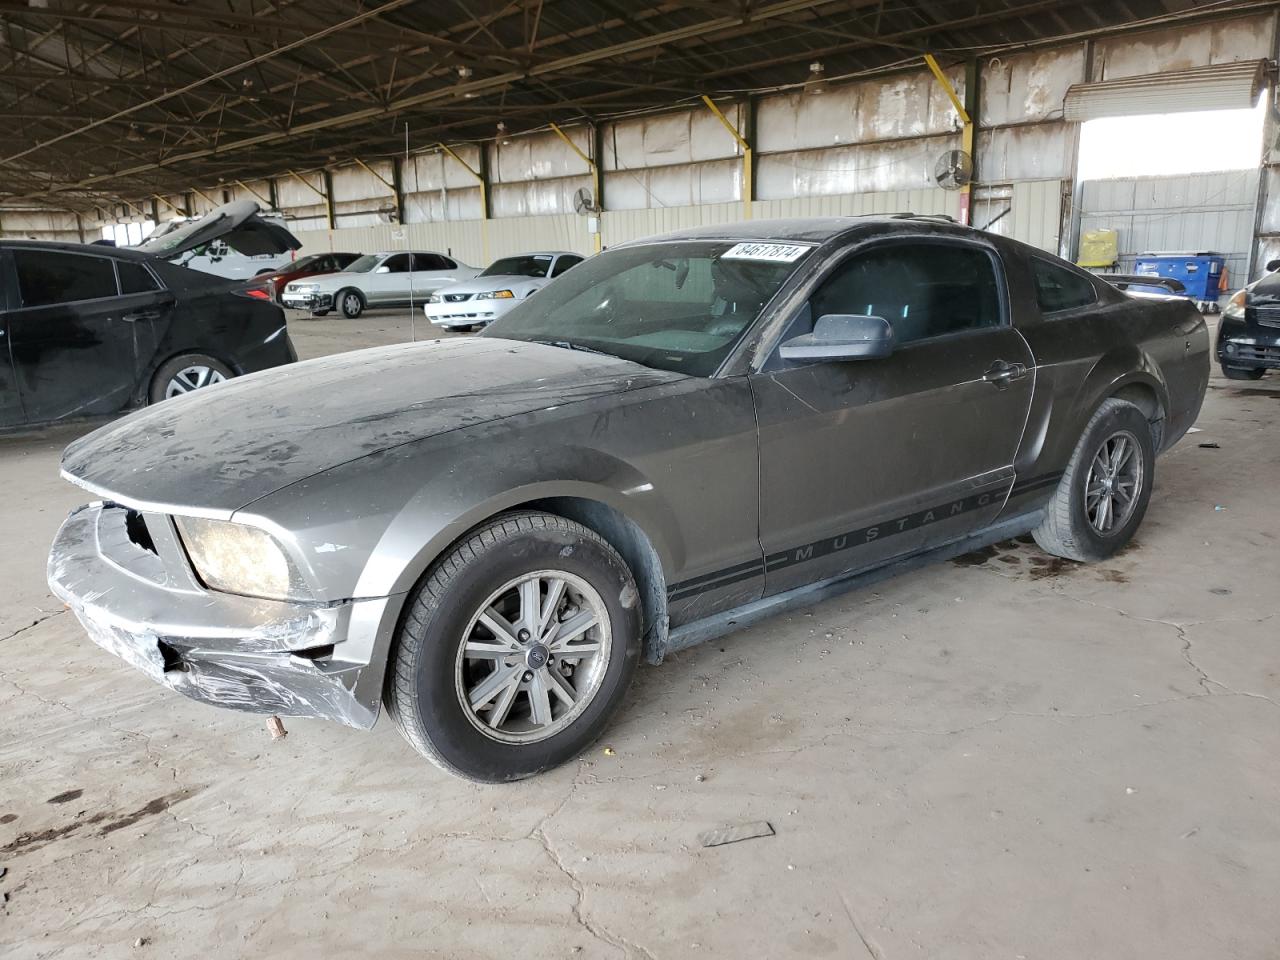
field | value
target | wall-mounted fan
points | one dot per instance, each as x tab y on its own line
583	202
953	170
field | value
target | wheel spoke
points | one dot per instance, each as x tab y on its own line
572	628
488	688
539	700
502	706
1119	453
559	686
500	627
481	650
555	592
530	605
1104	513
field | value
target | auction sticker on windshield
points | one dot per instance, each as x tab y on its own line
777	252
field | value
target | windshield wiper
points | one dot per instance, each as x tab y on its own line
567	345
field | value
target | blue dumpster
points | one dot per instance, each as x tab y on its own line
1199	272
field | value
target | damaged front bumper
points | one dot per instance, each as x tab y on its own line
137	597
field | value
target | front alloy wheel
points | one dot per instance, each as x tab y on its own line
515	648
534	657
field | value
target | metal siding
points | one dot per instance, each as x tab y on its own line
1225	87
1207	211
1183	47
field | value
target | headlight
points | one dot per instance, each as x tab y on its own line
1235	306
236	558
496	295
434	298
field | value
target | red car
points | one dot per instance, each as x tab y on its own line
309	266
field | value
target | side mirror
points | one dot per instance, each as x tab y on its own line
842	336
1273	266
383	269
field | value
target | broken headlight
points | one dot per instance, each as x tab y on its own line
236	558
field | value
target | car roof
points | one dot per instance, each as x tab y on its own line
798	229
539	253
92	249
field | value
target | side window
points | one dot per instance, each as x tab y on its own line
432	261
45	277
924	289
135	278
400	263
563	264
1060	289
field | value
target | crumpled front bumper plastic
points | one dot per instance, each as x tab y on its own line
260	656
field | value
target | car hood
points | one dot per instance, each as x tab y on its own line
485	284
217	450
1266	289
237	224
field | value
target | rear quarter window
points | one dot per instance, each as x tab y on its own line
1059	289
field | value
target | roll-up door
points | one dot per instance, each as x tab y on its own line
1223	87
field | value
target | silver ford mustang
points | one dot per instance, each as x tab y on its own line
677	437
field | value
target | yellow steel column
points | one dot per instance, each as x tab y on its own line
594	168
966	136
748	188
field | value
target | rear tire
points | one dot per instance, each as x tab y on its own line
1113	462
481	701
1242	373
351	302
185	373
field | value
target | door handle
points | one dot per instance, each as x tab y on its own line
1001	373
140	315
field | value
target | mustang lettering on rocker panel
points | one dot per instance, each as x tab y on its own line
853	538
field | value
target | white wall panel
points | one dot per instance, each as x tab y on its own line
1183	47
718	181
536	197
1020	87
874	168
679	137
55	225
1040	152
538	156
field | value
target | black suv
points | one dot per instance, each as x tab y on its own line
1249	332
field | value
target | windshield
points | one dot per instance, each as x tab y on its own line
534	265
364	264
303	262
676	306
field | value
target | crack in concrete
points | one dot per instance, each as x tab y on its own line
33	624
596	929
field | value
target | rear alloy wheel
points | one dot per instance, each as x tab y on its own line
515	649
351	303
1103	494
181	375
1242	373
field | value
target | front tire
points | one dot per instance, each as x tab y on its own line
1242	373
350	302
1103	495
185	373
515	649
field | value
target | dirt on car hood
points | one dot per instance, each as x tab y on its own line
216	450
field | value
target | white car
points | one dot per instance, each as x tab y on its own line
242	242
475	303
390	279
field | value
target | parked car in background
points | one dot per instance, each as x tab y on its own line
236	241
1249	330
390	279
677	438
93	330
312	265
504	283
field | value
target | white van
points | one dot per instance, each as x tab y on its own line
247	242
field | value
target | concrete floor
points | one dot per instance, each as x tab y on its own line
1000	757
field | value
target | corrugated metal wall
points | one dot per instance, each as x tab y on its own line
1207	211
840	148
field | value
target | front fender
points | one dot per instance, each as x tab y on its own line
371	527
